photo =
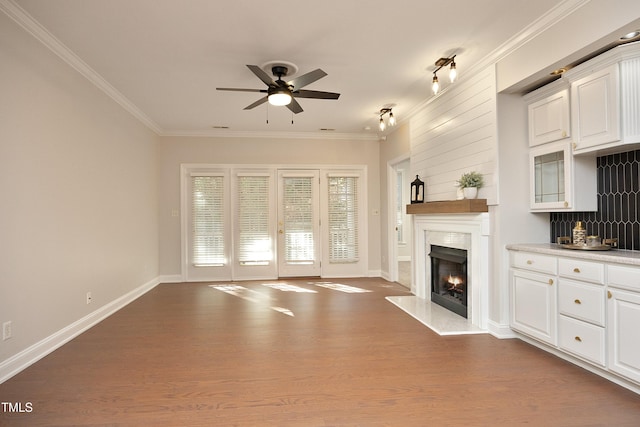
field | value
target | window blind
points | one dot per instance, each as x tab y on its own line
343	219
252	216
208	220
298	220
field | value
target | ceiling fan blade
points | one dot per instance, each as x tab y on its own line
266	79
294	106
241	90
258	102
315	94
305	79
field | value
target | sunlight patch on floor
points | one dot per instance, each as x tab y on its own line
250	295
340	287
285	287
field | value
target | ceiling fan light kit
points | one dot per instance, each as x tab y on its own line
281	93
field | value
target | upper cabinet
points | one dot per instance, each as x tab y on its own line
595	103
605	102
549	118
558	181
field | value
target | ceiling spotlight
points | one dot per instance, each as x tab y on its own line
392	120
453	72
631	35
436	86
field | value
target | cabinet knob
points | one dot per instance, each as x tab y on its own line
609	295
550	281
566	204
564	133
577	301
576	270
575	145
578	339
529	262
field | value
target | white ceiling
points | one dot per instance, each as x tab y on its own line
166	57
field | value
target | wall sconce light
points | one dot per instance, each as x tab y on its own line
391	120
417	191
453	72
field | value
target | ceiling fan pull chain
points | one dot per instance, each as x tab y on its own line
292	117
267	113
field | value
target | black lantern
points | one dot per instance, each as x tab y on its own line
417	191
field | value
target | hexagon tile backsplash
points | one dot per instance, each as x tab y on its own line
618	214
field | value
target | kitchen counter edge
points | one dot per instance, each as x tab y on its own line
617	256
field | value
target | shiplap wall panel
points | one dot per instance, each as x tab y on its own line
454	134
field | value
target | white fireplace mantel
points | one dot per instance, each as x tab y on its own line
469	231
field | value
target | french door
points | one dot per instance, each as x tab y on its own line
264	223
298	223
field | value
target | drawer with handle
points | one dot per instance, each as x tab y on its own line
582	301
582	339
534	262
587	271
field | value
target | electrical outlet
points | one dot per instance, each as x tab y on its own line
6	331
88	297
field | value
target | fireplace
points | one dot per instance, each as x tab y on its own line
467	232
449	278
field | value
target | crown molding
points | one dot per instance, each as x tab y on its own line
274	135
33	27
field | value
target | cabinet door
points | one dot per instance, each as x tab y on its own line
549	118
533	305
623	341
550	167
595	109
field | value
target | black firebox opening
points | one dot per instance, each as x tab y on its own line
449	278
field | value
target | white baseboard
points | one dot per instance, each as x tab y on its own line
27	357
500	330
173	278
374	273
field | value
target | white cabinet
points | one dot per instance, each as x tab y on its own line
549	118
581	308
580	305
561	182
623	326
623	321
533	296
595	109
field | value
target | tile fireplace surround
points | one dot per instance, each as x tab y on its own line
469	231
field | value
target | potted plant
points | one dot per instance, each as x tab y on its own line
470	182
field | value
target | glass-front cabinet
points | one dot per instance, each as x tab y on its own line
555	174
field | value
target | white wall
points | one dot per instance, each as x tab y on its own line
258	151
78	191
455	133
395	146
593	25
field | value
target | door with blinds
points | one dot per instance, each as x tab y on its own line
254	225
343	217
298	223
208	237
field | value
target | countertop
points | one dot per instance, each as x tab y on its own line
617	256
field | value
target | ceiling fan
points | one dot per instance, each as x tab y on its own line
280	92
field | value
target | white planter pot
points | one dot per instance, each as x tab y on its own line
470	192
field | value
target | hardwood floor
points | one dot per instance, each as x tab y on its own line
256	355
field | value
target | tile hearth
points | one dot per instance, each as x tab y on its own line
435	317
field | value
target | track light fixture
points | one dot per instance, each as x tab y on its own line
453	72
391	121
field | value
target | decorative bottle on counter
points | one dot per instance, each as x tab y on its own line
579	234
